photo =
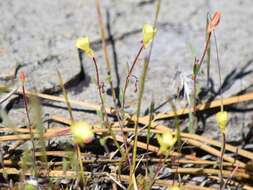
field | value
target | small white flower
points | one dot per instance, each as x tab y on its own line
187	85
33	182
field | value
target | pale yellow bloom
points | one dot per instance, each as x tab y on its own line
82	132
84	44
222	120
149	33
166	141
174	187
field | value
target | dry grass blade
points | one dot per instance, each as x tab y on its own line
213	151
124	178
200	107
86	105
205	106
194	171
234	183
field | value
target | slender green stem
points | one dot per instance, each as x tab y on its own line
132	171
65	94
77	148
142	85
151	117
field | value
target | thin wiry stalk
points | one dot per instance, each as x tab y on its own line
30	129
108	65
219	69
193	124
208	52
204	52
142	85
105	116
105	50
230	177
151	117
197	66
77	148
129	74
223	134
159	167
221	159
99	88
37	121
65	94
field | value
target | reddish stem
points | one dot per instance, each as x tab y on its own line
30	127
130	73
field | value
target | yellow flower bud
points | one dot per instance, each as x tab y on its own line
174	187
149	33
222	120
84	44
166	141
82	132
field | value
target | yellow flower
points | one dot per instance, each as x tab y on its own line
222	120
82	132
174	187
166	141
149	33
84	44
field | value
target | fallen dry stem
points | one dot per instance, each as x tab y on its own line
183	111
202	139
193	171
59	131
71	174
205	106
213	151
234	183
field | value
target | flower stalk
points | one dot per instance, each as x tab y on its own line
22	79
84	45
197	64
129	75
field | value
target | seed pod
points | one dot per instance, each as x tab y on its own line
214	21
22	76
